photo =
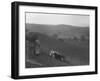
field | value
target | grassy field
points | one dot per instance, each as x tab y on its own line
75	52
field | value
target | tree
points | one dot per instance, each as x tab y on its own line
55	36
26	30
74	38
82	38
62	40
31	36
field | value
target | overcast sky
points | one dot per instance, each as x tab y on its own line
55	19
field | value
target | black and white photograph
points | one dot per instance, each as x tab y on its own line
53	40
50	40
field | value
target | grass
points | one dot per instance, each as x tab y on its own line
75	53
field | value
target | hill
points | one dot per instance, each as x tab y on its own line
62	31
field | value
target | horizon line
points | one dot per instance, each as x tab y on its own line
57	24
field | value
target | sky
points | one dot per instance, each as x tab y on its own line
55	19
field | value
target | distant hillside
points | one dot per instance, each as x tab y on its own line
62	31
